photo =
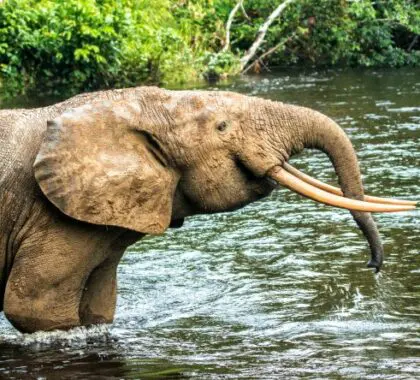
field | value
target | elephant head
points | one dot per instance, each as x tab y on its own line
157	156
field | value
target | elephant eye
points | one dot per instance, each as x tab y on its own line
221	127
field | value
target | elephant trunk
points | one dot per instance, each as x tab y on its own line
311	129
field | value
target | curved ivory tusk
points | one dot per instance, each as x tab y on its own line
293	183
335	190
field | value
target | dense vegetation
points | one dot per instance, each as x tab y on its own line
73	45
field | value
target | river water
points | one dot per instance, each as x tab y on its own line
278	289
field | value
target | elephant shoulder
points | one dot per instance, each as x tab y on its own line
21	133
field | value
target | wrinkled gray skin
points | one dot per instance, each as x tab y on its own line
128	163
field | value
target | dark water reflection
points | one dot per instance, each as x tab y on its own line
278	289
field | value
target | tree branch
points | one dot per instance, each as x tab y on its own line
229	24
244	11
267	53
415	39
262	32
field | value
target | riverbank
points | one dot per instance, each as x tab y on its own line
70	46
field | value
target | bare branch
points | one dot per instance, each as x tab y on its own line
415	39
244	12
262	32
267	53
229	24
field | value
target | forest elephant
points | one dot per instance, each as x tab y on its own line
83	179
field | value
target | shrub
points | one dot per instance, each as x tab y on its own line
59	45
66	46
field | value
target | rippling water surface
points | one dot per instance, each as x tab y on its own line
278	289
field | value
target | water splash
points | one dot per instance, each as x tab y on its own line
78	336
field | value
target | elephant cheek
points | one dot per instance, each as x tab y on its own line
212	195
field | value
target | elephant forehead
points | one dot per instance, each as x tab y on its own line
187	115
184	103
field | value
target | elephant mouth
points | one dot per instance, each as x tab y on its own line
309	187
268	183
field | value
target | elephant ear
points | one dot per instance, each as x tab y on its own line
96	166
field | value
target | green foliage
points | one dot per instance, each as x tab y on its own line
219	64
65	43
355	33
67	46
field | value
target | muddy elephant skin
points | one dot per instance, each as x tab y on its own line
83	179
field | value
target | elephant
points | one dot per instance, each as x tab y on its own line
85	178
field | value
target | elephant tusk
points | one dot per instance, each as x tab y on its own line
335	190
288	180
